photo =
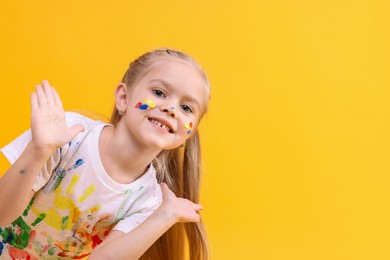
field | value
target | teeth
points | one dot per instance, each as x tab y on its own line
160	125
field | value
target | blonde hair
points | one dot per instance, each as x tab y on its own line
180	170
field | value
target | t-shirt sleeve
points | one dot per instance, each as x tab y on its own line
142	211
13	150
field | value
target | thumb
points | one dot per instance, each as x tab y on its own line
74	130
166	192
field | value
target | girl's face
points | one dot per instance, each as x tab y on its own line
164	107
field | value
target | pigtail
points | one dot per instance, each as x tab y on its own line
181	172
171	244
196	232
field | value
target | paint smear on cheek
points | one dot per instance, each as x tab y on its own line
188	127
145	104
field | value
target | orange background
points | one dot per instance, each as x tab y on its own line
296	144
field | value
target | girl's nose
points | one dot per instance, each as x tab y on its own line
169	110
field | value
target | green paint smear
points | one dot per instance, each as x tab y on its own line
37	247
50	241
20	241
6	234
25	213
80	249
39	219
67	245
60	176
121	212
51	251
130	214
65	221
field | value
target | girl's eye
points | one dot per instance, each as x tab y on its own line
186	108
158	93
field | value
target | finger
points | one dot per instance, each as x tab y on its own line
198	207
57	99
40	95
34	102
195	217
48	92
164	188
166	192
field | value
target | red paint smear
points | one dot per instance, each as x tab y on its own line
96	241
16	253
33	233
45	248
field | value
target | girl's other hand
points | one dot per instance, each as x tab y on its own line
48	124
179	209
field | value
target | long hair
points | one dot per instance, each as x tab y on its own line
179	168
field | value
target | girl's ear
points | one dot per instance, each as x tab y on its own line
121	97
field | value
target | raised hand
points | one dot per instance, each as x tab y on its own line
182	210
48	125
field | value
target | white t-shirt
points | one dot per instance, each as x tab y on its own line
76	203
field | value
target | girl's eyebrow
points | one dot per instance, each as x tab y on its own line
166	84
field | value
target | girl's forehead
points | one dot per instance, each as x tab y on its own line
176	73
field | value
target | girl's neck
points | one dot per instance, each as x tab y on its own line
124	159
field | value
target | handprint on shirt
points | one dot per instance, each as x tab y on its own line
19	236
86	231
84	240
64	203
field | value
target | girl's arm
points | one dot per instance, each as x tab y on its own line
16	184
49	132
132	245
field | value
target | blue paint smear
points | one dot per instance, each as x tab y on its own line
78	163
7	234
143	107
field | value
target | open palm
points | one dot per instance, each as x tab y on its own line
48	124
183	210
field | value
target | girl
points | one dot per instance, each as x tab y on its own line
81	188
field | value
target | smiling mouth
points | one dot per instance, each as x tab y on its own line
159	124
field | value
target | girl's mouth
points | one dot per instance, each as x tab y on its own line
162	125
